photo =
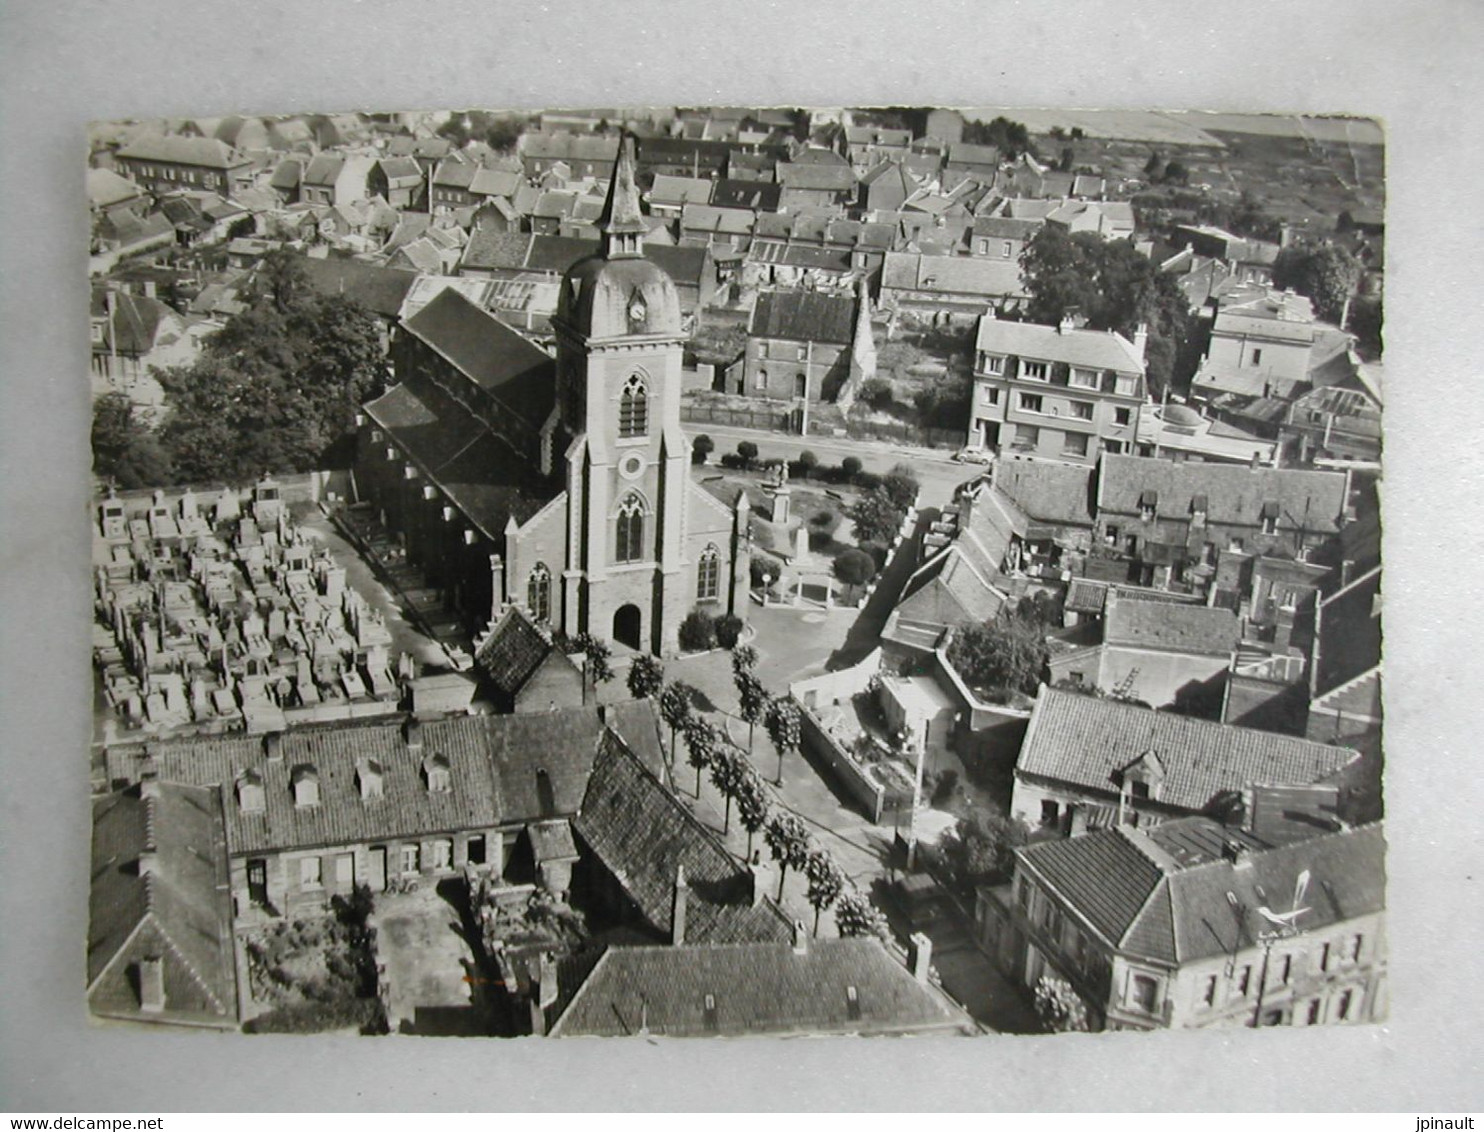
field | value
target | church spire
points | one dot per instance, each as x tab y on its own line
621	223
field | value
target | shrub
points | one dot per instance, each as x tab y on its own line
850	467
316	1017
728	630
876	517
701	447
807	462
855	567
878	552
876	392
868	481
698	632
732	460
901	485
764	570
945	786
748	451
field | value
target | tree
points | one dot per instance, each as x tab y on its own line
726	775
1004	655
855	568
702	741
244	226
788	840
826	883
1154	166
1059	1007
748	451
752	701
876	516
808	461
980	849
876	392
125	451
698	631
1067	159
1011	138
728	630
850	467
901	485
1327	274
1176	174
744	659
675	709
596	668
646	677
784	725
700	448
855	915
752	803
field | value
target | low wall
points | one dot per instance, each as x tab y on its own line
821	747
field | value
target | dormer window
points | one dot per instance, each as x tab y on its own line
305	782
439	776
1148	506
993	364
1033	371
250	798
1270	518
1198	506
369	778
633	408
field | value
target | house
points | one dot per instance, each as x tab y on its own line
1337	422
1249	261
1160	653
1345	675
868	146
163	164
815	178
584	155
399	181
648	862
122	232
521	662
964	160
160	945
1183	432
1048	504
782	989
312	811
999	237
1197	526
1057	391
335	179
1193	924
1112	220
799	345
887	186
287	175
948	288
669	195
754	196
1085	756
129	333
381	290
108	190
729	228
1270	347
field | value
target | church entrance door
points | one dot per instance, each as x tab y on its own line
626	624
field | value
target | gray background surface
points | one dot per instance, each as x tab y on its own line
1413	65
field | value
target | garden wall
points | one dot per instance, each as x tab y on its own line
818	745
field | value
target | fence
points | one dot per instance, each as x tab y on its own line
761	417
901	432
822	746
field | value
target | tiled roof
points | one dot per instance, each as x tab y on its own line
323	169
755	989
1235	494
1349	642
177	150
1167	627
401	170
643	834
1097	349
1005	228
761	196
495	182
1047	491
1144	895
183	904
470	464
380	290
513	650
497	359
951	274
965	153
815	177
680	190
135	322
105	187
1088	742
804	316
696	218
568	147
555	255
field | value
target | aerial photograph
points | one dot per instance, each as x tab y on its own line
702	572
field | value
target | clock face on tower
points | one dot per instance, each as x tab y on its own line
637	310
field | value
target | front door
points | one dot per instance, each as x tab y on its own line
626	626
257	881
377	879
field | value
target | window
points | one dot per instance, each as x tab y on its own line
443	854
1126	385
1081	410
1033	371
1027	436
1143	993
438	774
800	353
1006	248
1030	402
1243	982
1023	896
309	872
1311	1016
708	575
538	592
762	379
991	395
1347	1000
1083	378
1074	444
983	247
1139	789
1257	357
1355	943
633	408
250	792
1050	812
1208	996
1324	957
629	546
1270	524
305	782
1285	970
345	870
993	364
1122	416
411	858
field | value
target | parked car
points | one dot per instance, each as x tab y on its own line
972	455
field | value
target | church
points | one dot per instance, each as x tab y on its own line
561	486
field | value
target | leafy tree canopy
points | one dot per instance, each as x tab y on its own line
1011	138
1004	655
1327	274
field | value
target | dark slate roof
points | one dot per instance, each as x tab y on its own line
381	290
966	153
476	469
1235	493
497	359
1169	627
761	196
1349	641
184	904
1088	743
756	989
1145	893
178	150
1005	228
643	835
816	177
804	316
1047	491
514	649
400	170
493	763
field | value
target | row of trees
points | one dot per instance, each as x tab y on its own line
709	750
276	389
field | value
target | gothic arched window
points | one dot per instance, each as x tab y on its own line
629	546
633	408
538	592
708	575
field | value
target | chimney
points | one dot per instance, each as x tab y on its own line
543	994
1238	854
149	862
152	985
413	732
681	900
801	938
759	886
1065	324
919	955
1141	340
273	747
